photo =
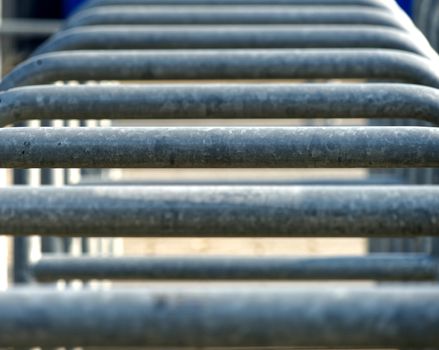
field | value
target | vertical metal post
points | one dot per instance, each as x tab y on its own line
3	244
434	247
71	176
3	182
21	244
379	245
49	244
85	241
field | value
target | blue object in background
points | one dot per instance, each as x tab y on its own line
406	5
70	5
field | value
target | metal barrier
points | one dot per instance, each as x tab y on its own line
423	12
225	65
269	211
209	14
181	316
378	267
231	101
243	37
220	147
367	3
224	317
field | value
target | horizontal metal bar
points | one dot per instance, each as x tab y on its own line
266	15
391	267
221	211
371	64
229	37
209	14
190	101
367	3
220	147
398	317
374	180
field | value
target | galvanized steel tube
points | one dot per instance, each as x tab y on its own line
219	15
228	316
221	211
222	101
366	3
224	64
228	37
220	147
377	267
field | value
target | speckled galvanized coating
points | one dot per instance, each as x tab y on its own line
381	65
220	147
234	14
377	267
216	316
108	37
221	211
222	101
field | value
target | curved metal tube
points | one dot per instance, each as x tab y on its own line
201	101
376	267
220	147
229	37
366	3
192	15
221	211
224	64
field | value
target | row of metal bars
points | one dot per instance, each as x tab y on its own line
391	75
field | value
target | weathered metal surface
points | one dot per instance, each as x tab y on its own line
49	244
221	211
391	267
226	316
376	180
20	244
21	256
220	147
342	318
228	37
367	3
213	14
201	101
383	65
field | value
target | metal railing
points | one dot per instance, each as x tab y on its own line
398	75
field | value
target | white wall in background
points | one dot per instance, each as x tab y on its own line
34	181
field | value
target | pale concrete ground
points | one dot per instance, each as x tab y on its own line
241	246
